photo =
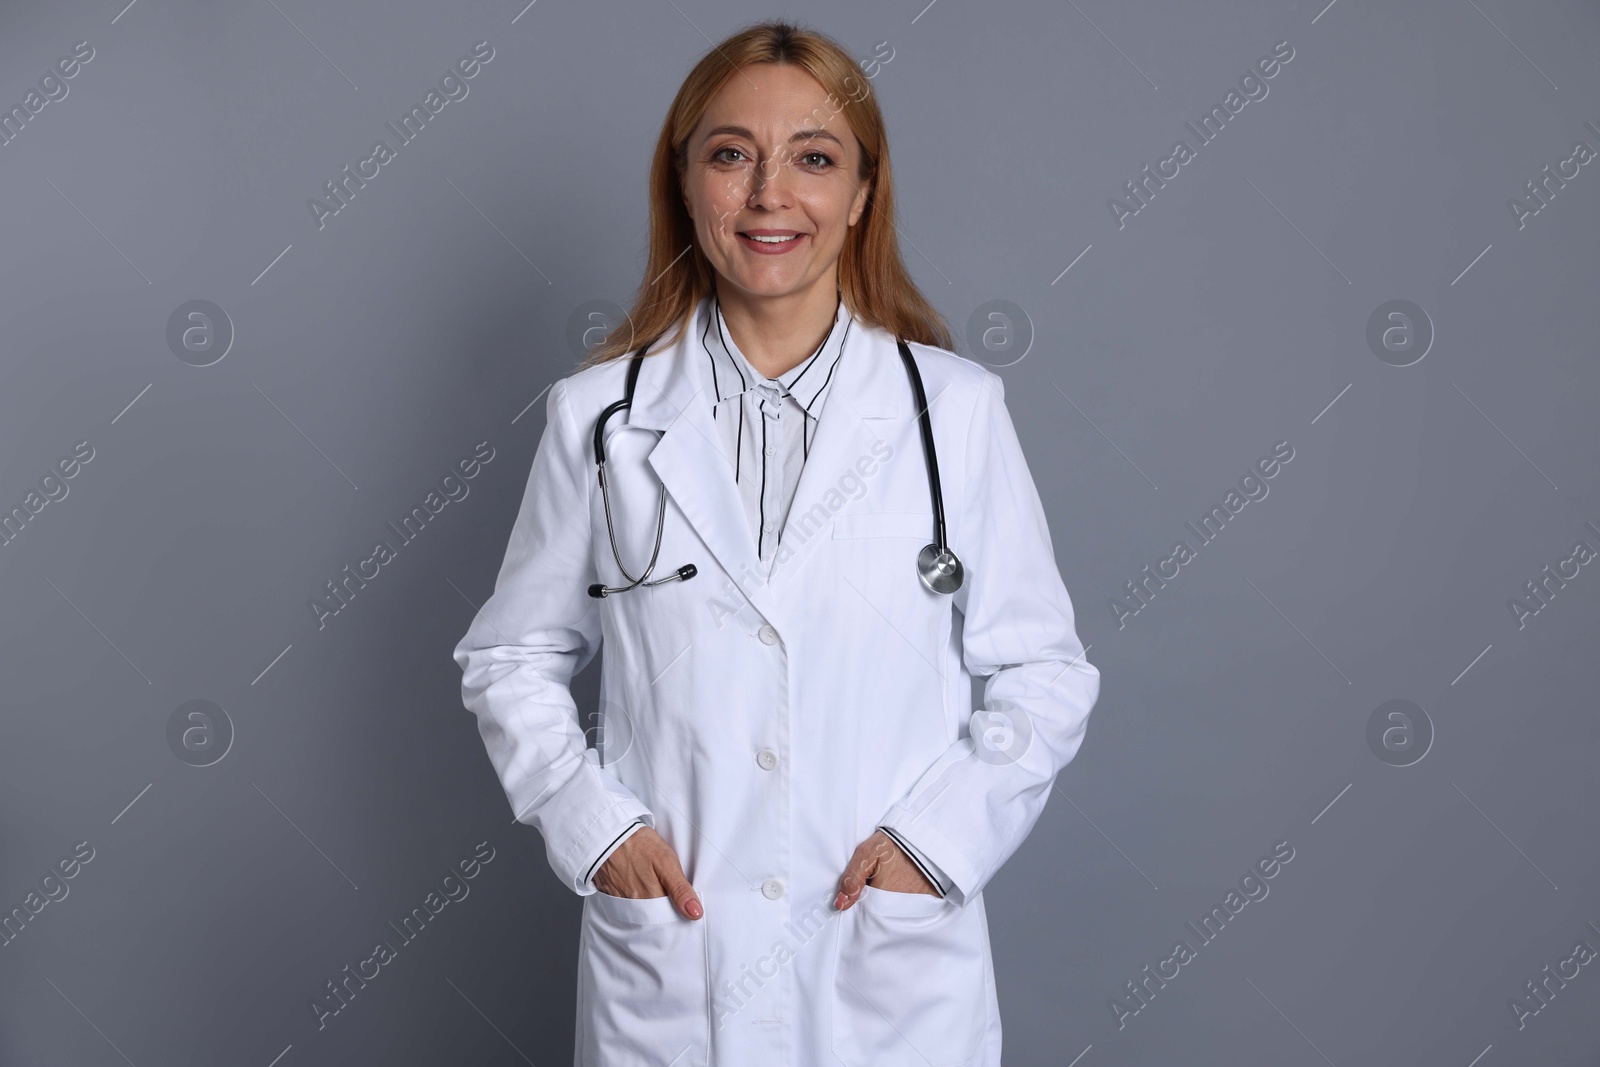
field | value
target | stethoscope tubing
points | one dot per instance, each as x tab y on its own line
935	490
684	573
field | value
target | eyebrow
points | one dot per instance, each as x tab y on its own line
798	135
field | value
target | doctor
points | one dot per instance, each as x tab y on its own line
783	833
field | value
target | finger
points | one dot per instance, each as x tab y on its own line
854	883
863	864
684	899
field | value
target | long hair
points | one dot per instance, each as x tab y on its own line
876	288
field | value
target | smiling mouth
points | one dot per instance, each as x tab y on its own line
771	243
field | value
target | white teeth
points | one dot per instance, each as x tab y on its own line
772	240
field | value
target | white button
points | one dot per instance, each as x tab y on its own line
771	451
772	889
768	635
767	527
767	759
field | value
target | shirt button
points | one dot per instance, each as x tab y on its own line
767	759
768	635
772	888
767	527
771	451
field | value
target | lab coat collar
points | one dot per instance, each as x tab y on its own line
672	395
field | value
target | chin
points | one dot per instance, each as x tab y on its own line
767	285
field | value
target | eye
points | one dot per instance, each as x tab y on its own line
717	156
827	161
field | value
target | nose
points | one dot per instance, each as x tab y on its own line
769	186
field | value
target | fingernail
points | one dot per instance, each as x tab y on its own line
695	911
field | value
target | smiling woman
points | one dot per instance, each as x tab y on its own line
806	750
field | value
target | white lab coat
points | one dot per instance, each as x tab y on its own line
765	725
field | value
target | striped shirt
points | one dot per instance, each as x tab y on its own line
766	424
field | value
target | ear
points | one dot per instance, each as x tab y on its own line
859	205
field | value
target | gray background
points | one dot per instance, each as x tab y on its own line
432	312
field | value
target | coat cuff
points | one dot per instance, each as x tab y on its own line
583	820
960	877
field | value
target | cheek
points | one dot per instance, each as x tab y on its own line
715	196
831	213
726	192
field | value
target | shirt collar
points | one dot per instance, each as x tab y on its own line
731	374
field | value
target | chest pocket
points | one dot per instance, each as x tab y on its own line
909	524
876	557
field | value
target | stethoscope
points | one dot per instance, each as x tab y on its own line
937	566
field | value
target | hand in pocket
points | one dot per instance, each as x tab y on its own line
880	863
645	867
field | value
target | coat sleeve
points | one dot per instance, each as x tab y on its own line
974	806
538	629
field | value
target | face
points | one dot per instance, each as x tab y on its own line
773	158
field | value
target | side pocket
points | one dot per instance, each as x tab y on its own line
643	994
910	982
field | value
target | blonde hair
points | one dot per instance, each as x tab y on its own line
876	288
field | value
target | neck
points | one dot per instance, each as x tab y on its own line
778	333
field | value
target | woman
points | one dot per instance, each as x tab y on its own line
783	842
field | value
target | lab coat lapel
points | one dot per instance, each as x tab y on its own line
864	396
690	461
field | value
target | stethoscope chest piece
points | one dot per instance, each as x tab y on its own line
939	569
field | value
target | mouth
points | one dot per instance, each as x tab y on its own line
771	242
